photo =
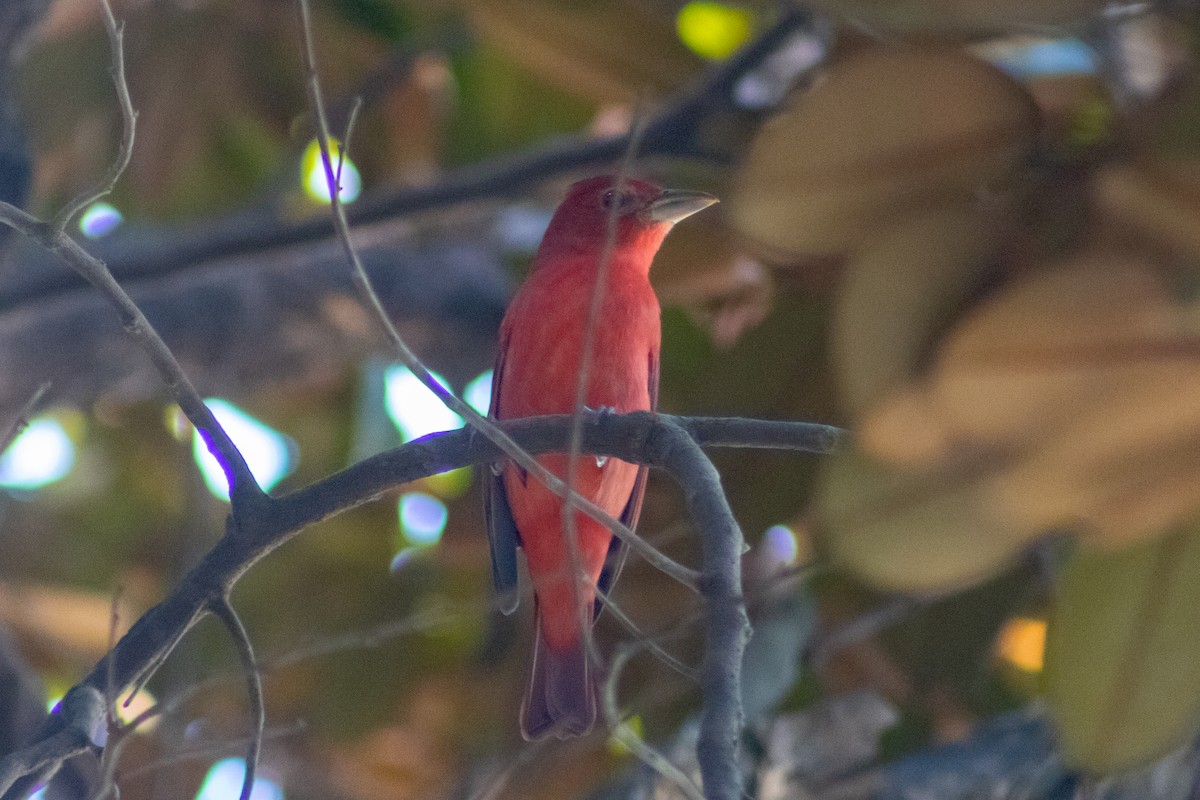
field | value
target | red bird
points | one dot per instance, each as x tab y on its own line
541	344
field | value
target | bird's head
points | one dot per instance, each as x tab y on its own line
639	215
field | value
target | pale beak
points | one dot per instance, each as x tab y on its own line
673	205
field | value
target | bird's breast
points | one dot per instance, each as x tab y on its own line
545	331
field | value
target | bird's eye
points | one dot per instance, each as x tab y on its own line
621	200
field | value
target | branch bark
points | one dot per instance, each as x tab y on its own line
663	441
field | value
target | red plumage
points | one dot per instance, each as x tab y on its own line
541	351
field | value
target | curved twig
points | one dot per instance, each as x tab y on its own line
116	38
629	737
225	612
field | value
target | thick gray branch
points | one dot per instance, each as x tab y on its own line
663	441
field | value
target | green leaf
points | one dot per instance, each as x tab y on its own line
1123	652
913	532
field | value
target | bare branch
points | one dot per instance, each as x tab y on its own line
225	612
727	628
243	488
82	716
675	130
116	39
659	440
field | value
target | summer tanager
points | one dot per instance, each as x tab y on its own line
541	345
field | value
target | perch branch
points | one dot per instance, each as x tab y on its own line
659	440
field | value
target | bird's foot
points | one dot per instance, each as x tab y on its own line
601	411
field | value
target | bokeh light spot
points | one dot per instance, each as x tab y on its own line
128	710
224	782
414	409
478	393
402	558
449	485
713	30
769	83
100	219
629	730
1030	57
316	183
40	455
781	544
520	228
1022	643
422	518
268	452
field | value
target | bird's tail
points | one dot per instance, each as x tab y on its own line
560	699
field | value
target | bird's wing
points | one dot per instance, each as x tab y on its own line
617	551
503	536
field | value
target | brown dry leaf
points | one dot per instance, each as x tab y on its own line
609	52
904	431
888	130
696	264
1159	200
1125	470
1059	343
1081	382
725	291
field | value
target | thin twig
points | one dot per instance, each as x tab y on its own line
410	360
865	626
674	130
217	749
596	302
225	612
243	489
160	655
647	641
22	419
108	759
241	482
371	637
628	737
116	40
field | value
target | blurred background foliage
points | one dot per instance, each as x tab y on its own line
967	231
